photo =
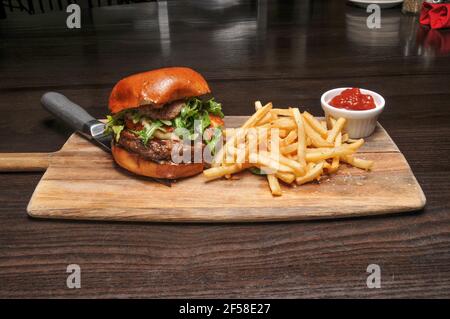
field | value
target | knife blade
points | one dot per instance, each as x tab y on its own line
81	121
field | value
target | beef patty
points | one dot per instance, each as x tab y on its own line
156	150
167	112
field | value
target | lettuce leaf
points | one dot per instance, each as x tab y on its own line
197	110
193	110
148	131
117	129
213	140
166	122
114	125
257	171
213	107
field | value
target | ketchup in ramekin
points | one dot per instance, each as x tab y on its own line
353	99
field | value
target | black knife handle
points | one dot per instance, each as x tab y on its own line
64	109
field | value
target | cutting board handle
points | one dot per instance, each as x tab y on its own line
24	162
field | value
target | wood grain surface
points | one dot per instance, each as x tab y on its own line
24	162
288	52
83	182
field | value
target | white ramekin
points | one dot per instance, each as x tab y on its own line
359	123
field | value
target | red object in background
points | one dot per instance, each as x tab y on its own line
434	41
440	42
353	99
436	15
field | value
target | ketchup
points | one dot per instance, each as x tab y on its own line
353	99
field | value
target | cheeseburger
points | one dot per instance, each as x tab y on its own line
148	110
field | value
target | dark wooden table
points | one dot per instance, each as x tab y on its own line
287	52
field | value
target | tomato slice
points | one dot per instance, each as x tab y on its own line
216	121
132	126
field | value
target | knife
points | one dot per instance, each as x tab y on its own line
82	122
77	118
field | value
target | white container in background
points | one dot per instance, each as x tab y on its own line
359	123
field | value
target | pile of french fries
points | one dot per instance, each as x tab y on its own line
286	145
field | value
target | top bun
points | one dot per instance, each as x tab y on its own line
156	87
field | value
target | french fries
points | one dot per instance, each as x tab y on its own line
281	112
286	145
315	124
337	127
284	123
274	185
217	172
288	178
335	163
358	162
255	118
289	139
315	137
313	173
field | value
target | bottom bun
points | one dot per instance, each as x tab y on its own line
140	166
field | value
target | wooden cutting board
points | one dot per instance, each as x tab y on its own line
83	182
